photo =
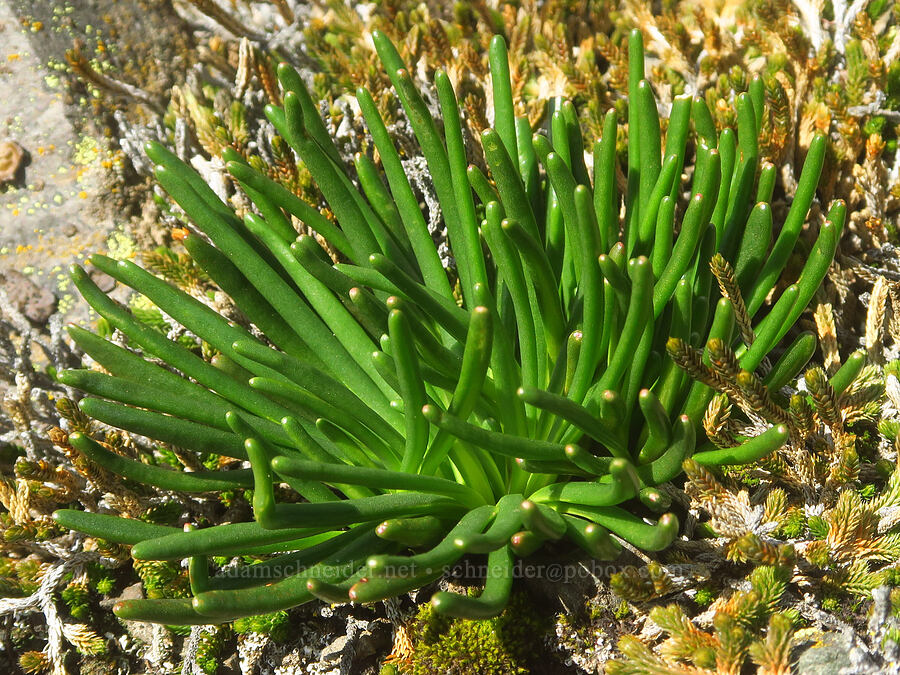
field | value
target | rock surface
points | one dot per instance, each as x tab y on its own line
74	193
35	302
56	188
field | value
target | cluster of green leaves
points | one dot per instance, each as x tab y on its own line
526	407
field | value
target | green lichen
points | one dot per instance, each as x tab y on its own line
120	246
86	151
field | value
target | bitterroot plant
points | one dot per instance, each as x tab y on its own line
391	416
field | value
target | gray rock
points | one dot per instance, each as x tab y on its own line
104	282
33	301
133	592
333	651
62	181
829	655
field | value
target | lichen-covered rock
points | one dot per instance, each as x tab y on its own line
35	302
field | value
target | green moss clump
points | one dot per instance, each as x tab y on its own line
100	579
162	579
34	662
831	604
105	585
504	645
622	610
892	578
29	572
275	625
77	597
792	526
209	650
167	513
705	596
889	428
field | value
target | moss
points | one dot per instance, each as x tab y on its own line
891	635
209	650
793	526
889	428
77	598
29	571
104	586
831	604
162	579
504	645
866	441
620	612
895	602
274	625
167	513
868	491
164	456
743	475
210	461
875	125
705	596
229	497
34	662
892	578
